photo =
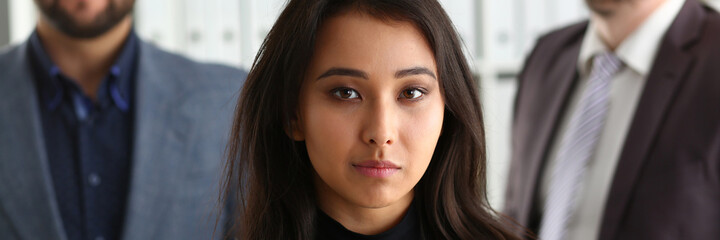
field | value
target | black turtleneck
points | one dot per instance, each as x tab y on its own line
408	228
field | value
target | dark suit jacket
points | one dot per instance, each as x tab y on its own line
667	181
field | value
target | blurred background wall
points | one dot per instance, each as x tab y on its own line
4	23
497	34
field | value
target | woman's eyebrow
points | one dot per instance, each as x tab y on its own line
337	71
415	71
344	72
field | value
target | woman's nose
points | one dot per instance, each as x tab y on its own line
380	126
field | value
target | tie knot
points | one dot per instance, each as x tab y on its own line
606	64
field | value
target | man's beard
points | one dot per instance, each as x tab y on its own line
103	22
604	8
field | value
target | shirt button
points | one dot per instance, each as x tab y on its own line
94	180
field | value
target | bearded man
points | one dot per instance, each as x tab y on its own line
104	136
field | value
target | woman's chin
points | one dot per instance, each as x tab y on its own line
380	200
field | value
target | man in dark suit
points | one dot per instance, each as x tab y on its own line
104	136
616	131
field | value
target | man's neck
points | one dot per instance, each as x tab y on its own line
615	27
85	61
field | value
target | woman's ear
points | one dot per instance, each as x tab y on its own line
295	132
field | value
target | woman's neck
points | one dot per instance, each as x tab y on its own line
360	219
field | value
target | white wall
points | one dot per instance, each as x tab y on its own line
22	19
205	30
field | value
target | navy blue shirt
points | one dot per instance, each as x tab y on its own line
88	143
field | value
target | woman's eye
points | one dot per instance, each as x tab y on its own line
345	93
412	93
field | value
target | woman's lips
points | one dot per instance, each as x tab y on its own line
377	169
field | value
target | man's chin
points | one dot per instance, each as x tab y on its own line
604	12
603	7
85	33
85	25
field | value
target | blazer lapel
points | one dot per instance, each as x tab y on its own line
27	197
556	88
160	135
671	64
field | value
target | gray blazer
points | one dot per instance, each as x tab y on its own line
183	114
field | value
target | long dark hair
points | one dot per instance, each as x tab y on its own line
268	176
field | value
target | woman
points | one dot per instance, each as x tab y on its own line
360	120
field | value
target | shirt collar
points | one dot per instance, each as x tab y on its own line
124	71
638	50
118	82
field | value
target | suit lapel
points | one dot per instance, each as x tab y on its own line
671	64
159	141
27	197
556	87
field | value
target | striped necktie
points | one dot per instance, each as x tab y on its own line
578	147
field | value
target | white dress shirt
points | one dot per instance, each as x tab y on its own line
637	53
714	4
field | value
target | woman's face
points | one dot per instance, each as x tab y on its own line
371	111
